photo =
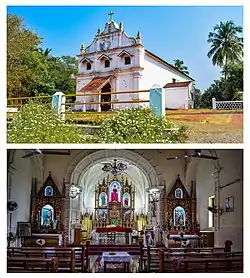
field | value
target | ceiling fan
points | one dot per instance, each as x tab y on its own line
197	153
36	152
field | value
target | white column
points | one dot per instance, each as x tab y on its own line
213	103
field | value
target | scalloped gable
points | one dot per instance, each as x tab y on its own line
178	184
49	181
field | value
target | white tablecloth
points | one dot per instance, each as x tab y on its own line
119	257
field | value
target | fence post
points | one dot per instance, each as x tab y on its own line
213	103
58	100
157	100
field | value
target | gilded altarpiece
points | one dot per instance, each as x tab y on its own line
114	202
180	208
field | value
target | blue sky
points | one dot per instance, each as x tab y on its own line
171	32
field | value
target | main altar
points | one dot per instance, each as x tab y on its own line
114	213
114	203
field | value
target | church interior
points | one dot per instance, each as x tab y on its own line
125	210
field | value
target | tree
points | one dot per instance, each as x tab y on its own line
226	46
32	71
179	64
197	98
214	91
22	56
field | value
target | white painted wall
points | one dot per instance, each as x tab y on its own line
156	73
230	223
176	98
20	186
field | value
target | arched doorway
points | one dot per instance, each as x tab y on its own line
106	97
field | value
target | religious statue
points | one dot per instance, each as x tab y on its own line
114	195
48	218
103	199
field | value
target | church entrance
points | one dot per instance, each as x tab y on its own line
106	97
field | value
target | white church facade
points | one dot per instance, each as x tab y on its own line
115	62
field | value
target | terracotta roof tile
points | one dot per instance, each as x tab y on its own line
95	84
177	84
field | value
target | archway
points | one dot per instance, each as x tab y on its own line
106	97
86	170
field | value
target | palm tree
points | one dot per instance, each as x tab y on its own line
226	46
179	64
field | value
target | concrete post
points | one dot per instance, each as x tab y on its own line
157	100
213	103
58	104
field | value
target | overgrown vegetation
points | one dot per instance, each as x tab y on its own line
37	123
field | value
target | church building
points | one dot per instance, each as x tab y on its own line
116	62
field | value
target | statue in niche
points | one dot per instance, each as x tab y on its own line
48	191
126	199
114	190
47	216
178	193
179	216
103	199
114	195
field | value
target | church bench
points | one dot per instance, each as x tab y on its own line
97	250
66	258
26	264
201	264
79	253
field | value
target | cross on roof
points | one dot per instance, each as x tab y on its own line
110	16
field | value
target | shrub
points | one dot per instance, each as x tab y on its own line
138	125
37	123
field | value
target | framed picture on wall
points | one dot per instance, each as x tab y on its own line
24	229
229	204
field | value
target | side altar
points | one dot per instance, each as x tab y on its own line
46	215
181	227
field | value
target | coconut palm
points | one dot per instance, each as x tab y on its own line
226	46
179	64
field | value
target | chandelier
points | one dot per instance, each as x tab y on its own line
115	168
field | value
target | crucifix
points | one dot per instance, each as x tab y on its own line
110	16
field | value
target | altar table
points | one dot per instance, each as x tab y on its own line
119	258
113	229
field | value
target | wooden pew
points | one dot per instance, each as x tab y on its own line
227	261
148	260
79	253
133	250
66	257
26	264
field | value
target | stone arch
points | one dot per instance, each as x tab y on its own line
84	160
